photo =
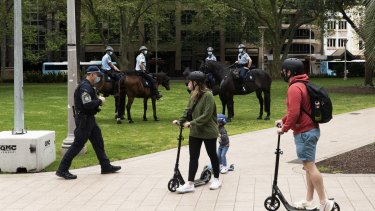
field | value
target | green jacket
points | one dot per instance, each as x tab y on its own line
204	123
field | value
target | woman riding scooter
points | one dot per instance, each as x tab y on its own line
200	118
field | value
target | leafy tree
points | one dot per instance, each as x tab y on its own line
272	14
369	35
5	17
342	6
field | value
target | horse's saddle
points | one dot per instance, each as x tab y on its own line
144	82
235	73
107	78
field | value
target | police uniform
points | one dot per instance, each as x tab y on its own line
211	58
86	106
243	60
142	59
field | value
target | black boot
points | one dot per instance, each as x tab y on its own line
110	169
66	175
157	94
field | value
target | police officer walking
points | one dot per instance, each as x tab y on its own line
86	106
244	62
140	68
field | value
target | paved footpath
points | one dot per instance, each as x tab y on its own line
142	184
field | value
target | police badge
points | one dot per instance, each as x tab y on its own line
86	98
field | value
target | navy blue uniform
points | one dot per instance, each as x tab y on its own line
86	106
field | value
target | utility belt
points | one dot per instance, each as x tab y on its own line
81	118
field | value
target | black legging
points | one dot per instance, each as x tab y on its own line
195	149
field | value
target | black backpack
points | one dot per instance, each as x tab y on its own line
321	105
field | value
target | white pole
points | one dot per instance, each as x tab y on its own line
18	70
310	49
345	72
72	73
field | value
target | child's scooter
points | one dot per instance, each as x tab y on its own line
177	179
273	202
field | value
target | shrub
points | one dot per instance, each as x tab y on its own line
38	77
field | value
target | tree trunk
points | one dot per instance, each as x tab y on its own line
276	64
369	71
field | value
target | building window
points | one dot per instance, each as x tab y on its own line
299	49
342	42
187	17
331	25
342	24
331	42
360	45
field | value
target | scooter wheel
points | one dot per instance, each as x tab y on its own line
272	203
173	185
207	176
336	207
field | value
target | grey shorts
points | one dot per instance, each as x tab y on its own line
306	144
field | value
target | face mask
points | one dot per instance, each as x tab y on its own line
110	53
285	76
240	50
97	79
210	53
144	52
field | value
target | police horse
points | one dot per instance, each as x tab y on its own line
227	82
134	86
106	86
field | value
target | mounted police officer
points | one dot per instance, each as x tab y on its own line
86	106
140	68
244	62
210	54
110	68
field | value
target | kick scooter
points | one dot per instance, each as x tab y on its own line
273	202
177	178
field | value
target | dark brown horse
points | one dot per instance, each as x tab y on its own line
134	88
257	80
106	87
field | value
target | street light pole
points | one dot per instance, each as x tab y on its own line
262	28
310	48
18	70
72	71
345	71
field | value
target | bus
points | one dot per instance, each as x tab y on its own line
62	67
336	68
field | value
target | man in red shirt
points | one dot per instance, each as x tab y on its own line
306	132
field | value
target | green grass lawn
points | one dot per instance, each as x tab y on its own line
46	109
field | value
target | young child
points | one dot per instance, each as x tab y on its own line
224	143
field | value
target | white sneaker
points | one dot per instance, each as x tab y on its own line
221	167
328	206
186	188
215	184
224	170
304	204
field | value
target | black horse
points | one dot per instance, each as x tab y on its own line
228	84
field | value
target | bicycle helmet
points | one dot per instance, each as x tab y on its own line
108	48
241	46
294	65
197	76
221	119
210	49
142	48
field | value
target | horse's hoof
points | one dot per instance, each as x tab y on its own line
131	121
144	119
267	118
259	118
229	119
156	119
118	121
